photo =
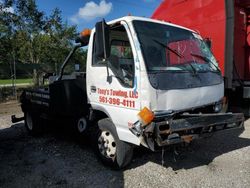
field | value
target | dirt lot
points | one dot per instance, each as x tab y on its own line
57	159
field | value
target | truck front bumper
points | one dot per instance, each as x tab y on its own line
191	126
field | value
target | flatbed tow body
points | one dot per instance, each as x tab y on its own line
47	101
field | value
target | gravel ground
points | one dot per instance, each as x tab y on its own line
58	159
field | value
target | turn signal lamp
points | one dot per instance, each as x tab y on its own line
85	33
146	116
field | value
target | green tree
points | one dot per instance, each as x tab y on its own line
7	29
28	36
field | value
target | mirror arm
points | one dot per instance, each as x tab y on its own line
104	43
67	60
109	79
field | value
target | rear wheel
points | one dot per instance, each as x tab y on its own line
33	123
112	151
81	125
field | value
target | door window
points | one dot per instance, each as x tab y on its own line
121	60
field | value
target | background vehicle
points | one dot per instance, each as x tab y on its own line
226	23
147	83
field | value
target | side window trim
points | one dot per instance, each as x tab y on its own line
131	33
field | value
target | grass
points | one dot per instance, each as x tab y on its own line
18	81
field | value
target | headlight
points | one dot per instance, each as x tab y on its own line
218	107
145	116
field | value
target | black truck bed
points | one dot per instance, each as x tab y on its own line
64	98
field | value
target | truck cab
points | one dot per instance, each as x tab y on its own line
152	64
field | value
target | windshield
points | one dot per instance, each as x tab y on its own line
169	48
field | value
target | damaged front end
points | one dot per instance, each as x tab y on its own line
169	127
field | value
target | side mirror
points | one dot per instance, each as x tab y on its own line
102	45
208	42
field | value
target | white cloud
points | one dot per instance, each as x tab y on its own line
7	9
91	10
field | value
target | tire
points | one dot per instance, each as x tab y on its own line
110	149
81	125
33	124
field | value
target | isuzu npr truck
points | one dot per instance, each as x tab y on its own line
147	83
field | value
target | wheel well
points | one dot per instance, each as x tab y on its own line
96	115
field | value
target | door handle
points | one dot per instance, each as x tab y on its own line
93	89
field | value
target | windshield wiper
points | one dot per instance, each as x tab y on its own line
176	53
205	59
170	49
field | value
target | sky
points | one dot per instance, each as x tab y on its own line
85	13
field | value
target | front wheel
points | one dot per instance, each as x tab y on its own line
110	149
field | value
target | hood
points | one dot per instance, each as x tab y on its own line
181	99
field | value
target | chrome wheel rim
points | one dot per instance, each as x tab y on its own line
107	145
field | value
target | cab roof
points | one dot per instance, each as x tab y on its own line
132	18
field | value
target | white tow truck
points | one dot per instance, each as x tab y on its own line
147	83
